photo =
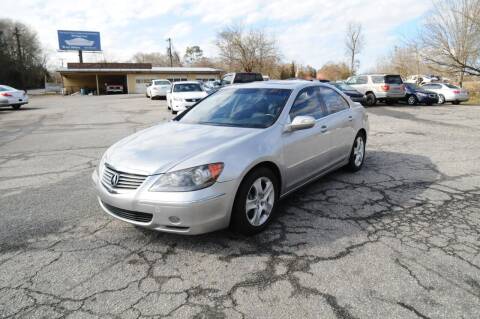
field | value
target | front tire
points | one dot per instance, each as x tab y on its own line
357	154
16	107
412	100
456	102
255	202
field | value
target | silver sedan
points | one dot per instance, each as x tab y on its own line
228	160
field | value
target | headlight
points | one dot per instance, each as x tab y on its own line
178	99
102	162
189	179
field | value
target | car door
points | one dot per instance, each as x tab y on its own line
339	124
305	151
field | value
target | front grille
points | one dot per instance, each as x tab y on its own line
191	100
125	180
128	214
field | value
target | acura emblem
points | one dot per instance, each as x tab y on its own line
114	179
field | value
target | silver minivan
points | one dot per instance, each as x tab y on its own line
388	88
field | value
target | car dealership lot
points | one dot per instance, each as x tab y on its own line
399	239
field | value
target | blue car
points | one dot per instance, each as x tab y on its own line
416	95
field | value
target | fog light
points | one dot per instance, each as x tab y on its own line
174	219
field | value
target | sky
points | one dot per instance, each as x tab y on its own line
307	31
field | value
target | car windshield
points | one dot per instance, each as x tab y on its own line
451	86
187	87
240	107
161	83
342	86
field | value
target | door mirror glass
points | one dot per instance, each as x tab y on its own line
301	122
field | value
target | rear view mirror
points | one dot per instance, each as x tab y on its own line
301	123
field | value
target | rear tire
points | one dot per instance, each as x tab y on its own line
16	107
441	99
357	154
456	102
260	189
370	99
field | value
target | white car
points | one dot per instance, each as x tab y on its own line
183	95
158	88
447	92
12	97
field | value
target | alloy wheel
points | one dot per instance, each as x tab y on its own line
359	151
260	200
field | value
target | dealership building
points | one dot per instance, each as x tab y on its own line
134	77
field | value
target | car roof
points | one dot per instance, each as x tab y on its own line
186	82
276	84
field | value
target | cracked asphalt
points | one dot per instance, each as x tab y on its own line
399	239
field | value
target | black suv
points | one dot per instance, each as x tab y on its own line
243	77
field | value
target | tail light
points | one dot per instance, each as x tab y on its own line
5	94
456	91
385	87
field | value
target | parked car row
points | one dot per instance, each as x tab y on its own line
390	88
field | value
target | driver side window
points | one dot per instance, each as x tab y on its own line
308	103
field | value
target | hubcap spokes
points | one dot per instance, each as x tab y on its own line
260	200
358	151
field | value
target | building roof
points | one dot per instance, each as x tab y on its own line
154	69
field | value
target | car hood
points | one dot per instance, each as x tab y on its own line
158	149
190	95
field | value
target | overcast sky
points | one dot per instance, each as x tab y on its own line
307	31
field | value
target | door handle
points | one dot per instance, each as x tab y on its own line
350	118
323	128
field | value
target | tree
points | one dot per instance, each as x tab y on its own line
193	54
249	51
354	43
451	37
156	58
22	60
334	71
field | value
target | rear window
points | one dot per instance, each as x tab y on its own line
247	77
393	79
387	79
451	86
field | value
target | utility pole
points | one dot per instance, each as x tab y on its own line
169	40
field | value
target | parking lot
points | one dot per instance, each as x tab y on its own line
399	239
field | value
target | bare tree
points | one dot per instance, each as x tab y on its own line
193	54
334	71
156	58
249	51
451	37
22	59
354	43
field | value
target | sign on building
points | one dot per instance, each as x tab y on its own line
79	40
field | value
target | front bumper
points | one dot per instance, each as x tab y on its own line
180	106
359	99
427	99
188	213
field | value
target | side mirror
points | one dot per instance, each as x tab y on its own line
301	123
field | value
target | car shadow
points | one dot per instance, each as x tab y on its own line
328	215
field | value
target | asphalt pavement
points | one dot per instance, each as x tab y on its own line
399	239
